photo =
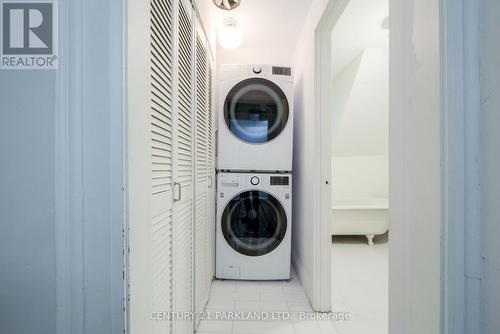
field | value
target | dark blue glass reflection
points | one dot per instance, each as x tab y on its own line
256	110
254	223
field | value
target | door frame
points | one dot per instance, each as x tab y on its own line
322	258
458	122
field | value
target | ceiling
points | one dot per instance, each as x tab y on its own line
359	27
267	23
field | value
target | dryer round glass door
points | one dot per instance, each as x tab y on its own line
254	223
256	110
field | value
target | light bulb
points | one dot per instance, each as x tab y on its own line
230	35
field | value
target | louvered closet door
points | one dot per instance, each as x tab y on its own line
202	116
161	159
211	175
150	136
184	170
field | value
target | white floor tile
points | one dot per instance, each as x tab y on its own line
246	305
360	284
299	306
262	327
272	296
225	305
293	290
222	295
296	297
239	283
249	296
220	287
215	326
306	327
327	327
259	288
273	306
255	296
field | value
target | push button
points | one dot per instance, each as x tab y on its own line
254	180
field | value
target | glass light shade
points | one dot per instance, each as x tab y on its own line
230	37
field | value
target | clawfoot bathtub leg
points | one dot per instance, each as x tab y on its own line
370	239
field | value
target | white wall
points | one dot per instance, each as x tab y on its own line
360	177
272	56
342	86
490	164
207	12
304	213
360	135
361	122
211	17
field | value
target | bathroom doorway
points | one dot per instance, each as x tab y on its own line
355	154
360	166
427	99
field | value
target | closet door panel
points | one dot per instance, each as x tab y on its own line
171	162
184	170
161	159
202	116
211	175
150	167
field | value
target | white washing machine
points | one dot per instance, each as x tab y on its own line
255	118
254	225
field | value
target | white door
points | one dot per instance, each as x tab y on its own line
161	158
150	163
204	180
211	175
171	171
183	175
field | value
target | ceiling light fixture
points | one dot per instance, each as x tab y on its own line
227	4
230	35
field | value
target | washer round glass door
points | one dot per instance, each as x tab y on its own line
254	223
256	110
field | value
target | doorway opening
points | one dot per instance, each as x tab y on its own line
355	158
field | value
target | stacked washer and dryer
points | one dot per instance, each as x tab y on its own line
254	194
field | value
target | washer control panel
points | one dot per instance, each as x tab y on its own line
280	181
234	181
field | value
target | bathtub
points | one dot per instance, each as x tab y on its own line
367	216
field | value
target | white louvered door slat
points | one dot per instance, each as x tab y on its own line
171	165
184	169
202	116
211	176
161	159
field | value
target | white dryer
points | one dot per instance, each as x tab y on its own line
254	225
255	131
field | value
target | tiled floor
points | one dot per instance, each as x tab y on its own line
360	288
267	298
360	284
